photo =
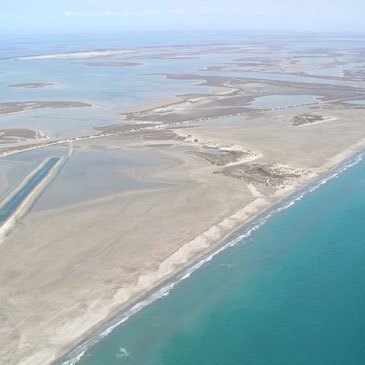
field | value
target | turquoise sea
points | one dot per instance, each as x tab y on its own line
290	290
286	290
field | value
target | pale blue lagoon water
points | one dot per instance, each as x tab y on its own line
336	71
83	177
113	89
278	101
18	198
289	292
15	168
313	60
110	88
356	102
276	76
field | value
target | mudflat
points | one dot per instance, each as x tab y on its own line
203	164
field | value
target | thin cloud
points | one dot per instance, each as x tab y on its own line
109	13
150	12
69	13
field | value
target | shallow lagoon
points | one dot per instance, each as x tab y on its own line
278	101
14	168
10	207
356	102
95	174
110	88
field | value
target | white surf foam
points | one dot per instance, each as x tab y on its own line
122	352
80	351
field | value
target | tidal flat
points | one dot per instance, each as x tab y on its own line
172	158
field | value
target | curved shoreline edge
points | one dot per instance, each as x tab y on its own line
158	290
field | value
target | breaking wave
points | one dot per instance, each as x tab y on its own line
80	351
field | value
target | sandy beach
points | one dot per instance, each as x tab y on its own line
181	224
165	186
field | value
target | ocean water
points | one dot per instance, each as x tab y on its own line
290	290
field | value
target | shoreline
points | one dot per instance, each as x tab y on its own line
97	314
158	188
261	210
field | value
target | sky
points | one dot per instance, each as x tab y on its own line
69	16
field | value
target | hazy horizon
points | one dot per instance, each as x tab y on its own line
86	16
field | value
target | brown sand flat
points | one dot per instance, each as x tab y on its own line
232	97
18	135
101	242
63	271
22	106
